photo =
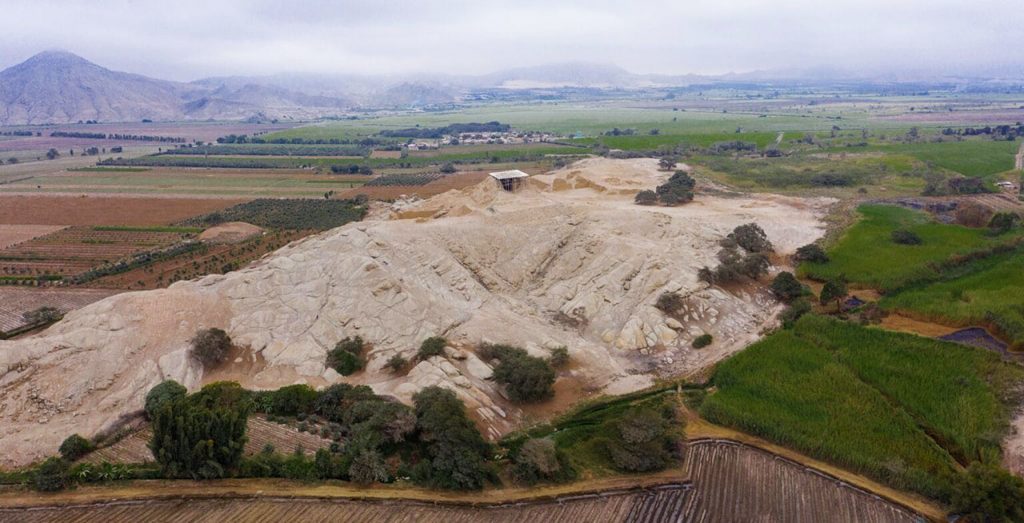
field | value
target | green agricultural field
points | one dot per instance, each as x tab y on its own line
866	255
988	292
289	214
972	157
897	407
898	174
647	142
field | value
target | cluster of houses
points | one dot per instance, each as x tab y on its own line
510	137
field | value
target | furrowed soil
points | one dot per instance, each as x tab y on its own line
105	210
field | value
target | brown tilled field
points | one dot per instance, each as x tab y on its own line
15	301
15	234
285	439
74	250
105	210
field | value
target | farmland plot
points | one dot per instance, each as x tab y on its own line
15	301
14	234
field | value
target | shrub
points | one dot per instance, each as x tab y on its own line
786	288
559	357
988	493
526	378
368	467
162	394
396	363
334	401
678	189
42	315
456	453
51	475
346	356
298	466
647	197
702	341
905	237
1002	222
540	460
448	168
639	442
211	346
431	347
292	400
74	447
811	252
794	311
752	238
669	302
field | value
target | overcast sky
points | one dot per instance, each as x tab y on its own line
189	39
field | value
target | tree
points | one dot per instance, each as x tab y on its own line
347	356
74	447
905	237
201	436
292	400
538	459
51	154
161	394
667	163
51	475
639	442
834	290
647	197
526	378
702	341
456	454
448	168
368	467
752	238
794	311
786	288
433	346
811	252
987	493
211	346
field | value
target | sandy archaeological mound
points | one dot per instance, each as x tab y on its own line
569	260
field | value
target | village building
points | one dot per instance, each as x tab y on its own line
512	180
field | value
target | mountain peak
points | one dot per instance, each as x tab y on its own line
57	57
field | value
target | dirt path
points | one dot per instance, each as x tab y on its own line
1019	164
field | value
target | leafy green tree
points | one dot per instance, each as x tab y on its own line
292	400
640	442
834	290
52	153
203	435
526	378
646	197
347	356
164	392
368	467
537	460
752	238
786	287
396	363
456	453
74	447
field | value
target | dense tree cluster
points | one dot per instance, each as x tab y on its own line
641	442
787	288
678	189
117	136
540	460
163	393
744	253
456	454
811	252
448	130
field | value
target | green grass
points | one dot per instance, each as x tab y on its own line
867	256
897	407
972	157
109	169
646	142
896	173
987	292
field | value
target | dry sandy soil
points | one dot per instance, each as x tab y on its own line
231	232
15	234
567	261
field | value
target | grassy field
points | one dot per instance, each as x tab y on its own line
973	157
841	174
867	256
988	292
897	407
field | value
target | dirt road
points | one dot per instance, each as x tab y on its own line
1020	158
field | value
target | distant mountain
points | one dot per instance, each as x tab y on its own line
58	87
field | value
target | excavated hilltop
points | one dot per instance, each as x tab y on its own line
569	260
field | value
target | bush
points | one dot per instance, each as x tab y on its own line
905	237
669	302
431	347
639	443
526	378
537	460
211	346
163	393
811	252
42	315
298	466
702	341
1002	222
752	238
647	197
795	310
456	454
678	189
559	357
786	288
368	467
346	356
334	401
834	290
396	363
51	475
448	168
292	400
74	447
988	493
